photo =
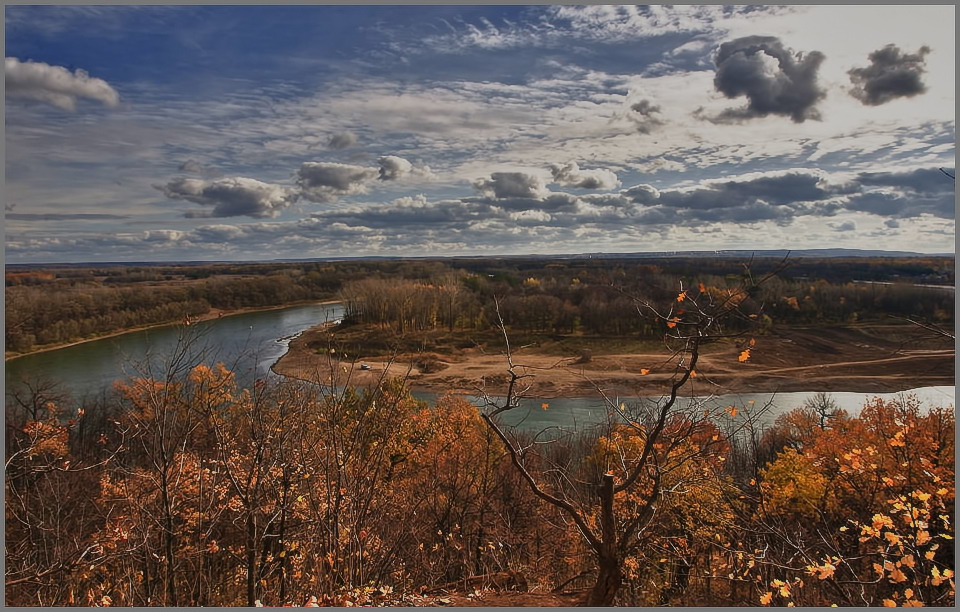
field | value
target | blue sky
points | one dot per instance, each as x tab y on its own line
259	132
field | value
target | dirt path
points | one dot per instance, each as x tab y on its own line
875	359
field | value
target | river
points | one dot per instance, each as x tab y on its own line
250	343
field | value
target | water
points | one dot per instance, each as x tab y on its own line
250	343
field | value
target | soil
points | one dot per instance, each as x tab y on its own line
866	358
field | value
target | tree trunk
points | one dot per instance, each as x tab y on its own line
609	576
609	579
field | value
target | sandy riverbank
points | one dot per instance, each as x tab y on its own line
868	359
214	313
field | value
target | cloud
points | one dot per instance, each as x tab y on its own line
642	116
890	75
192	166
54	85
846	226
570	175
774	79
502	185
906	194
231	197
326	181
892	223
393	167
61	217
342	140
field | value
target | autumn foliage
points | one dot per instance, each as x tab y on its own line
186	489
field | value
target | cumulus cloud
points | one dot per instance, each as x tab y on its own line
393	167
570	175
775	80
55	85
503	185
231	197
642	115
892	223
327	181
890	75
846	226
342	140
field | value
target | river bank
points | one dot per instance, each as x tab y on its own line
214	313
865	358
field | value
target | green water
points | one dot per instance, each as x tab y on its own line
250	343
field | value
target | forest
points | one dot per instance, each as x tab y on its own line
180	488
51	306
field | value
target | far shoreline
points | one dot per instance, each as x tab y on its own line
213	314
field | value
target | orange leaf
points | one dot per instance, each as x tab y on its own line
744	356
644	371
732	410
544	405
702	288
766	598
693	373
681	295
889	603
753	341
671	323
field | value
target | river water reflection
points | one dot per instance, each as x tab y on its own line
251	343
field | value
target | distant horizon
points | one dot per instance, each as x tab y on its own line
827	253
173	133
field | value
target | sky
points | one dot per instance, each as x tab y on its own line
174	133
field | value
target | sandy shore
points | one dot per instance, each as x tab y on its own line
214	313
841	359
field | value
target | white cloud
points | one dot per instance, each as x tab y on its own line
570	175
54	84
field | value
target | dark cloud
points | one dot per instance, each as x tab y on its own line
777	190
892	223
231	197
570	175
846	226
906	194
503	185
775	80
890	75
326	181
342	140
642	115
